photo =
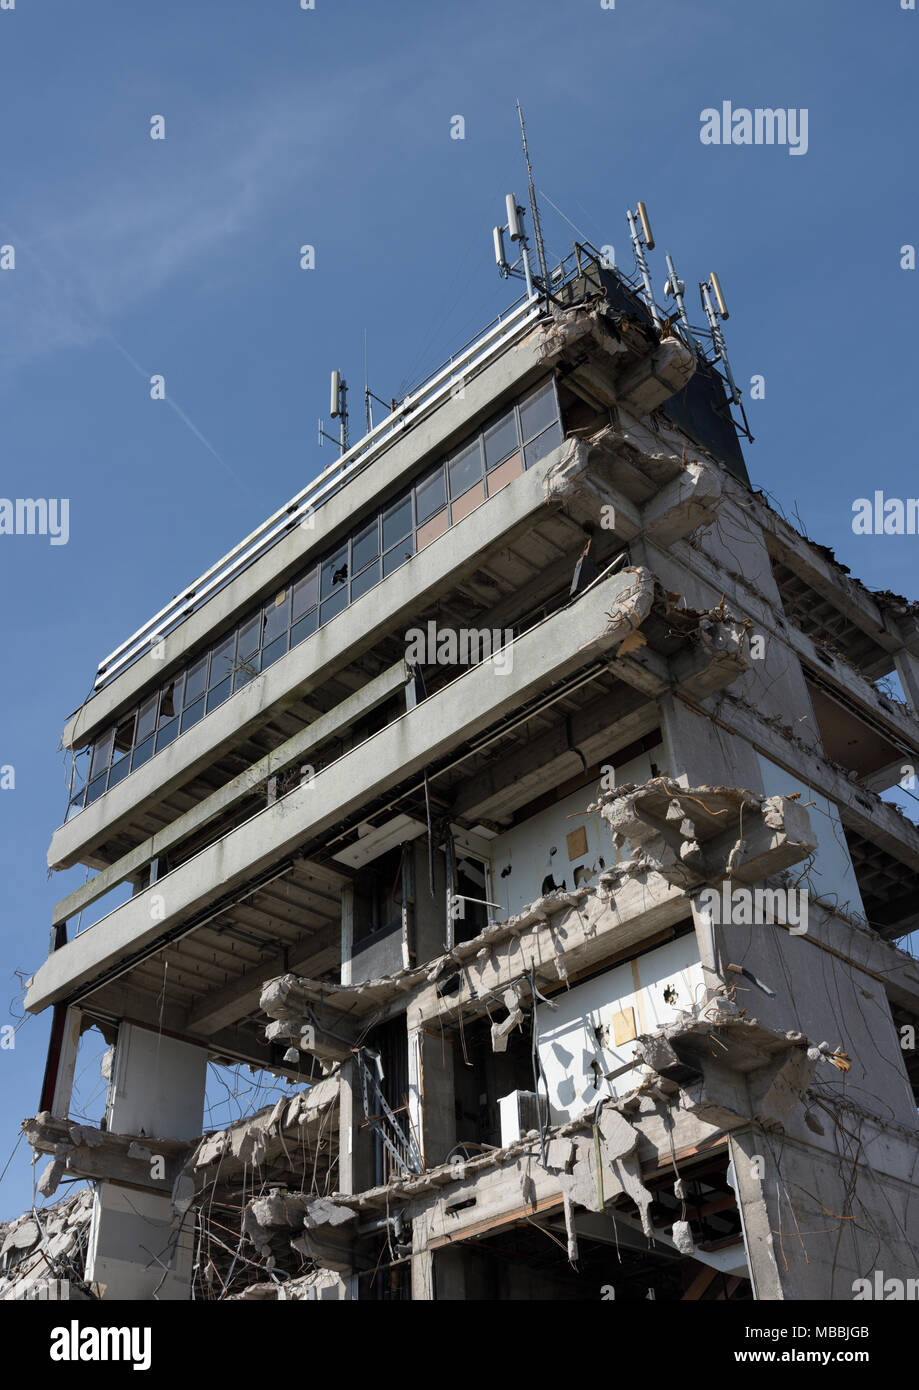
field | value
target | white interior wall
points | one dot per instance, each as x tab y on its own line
580	1031
540	846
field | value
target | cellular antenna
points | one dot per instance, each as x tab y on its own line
514	229
641	238
675	289
706	289
534	208
338	409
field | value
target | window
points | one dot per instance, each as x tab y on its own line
538	411
305	595
397	522
222	658
102	754
333	576
365	547
398	555
430	496
276	617
500	440
365	580
195	681
146	720
465	469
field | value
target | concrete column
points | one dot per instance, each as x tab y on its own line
138	1248
63	1085
431	1098
908	670
356	1161
749	1158
347	932
699	753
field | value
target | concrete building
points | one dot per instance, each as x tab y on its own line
515	792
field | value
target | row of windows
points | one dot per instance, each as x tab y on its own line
480	467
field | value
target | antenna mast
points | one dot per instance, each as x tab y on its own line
534	209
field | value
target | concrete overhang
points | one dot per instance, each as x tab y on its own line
590	627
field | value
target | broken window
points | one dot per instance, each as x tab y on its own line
121	750
98	771
275	621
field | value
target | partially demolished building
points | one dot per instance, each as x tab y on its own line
514	793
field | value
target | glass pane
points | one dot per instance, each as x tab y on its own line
166	734
333	605
170	701
102	752
431	529
195	681
80	767
222	659
275	649
430	496
246	670
142	752
538	411
192	714
218	694
276	617
119	771
365	581
249	635
500	440
306	594
76	805
304	628
146	720
95	789
462	506
397	522
543	445
398	556
365	547
465	468
124	736
334	573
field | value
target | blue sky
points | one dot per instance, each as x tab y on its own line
332	127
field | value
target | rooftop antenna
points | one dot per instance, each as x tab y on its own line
642	238
675	289
370	396
707	288
338	410
514	228
534	207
